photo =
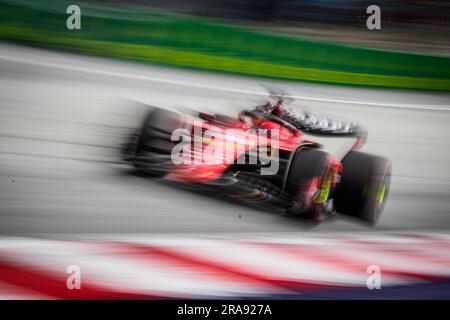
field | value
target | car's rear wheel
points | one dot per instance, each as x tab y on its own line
310	181
153	144
364	186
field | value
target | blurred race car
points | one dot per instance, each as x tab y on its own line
263	157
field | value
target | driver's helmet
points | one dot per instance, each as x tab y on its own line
274	106
280	109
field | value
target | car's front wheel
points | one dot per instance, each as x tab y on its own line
310	182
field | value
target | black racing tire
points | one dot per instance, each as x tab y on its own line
307	166
364	186
156	131
154	145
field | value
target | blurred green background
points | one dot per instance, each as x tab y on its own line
163	37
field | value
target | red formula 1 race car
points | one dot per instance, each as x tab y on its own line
263	157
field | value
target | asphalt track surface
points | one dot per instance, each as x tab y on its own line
63	117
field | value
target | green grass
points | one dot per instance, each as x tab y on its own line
184	42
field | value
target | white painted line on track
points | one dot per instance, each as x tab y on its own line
219	88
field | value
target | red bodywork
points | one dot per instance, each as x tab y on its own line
233	140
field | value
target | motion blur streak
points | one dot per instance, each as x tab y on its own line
61	179
60	134
34	283
205	85
168	266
